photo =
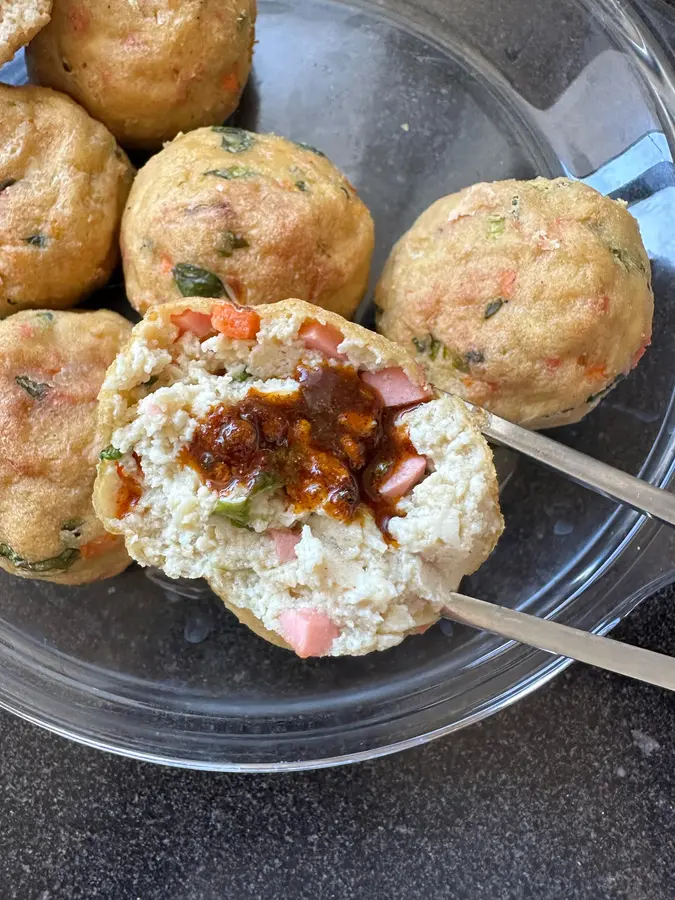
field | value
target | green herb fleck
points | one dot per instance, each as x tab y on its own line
420	345
434	347
232	172
496	226
458	361
110	452
302	186
37	240
6	183
515	206
381	468
237	511
474	357
193	281
628	260
493	307
265	482
35	389
61	562
72	524
234	140
45	316
243	375
242	19
229	242
151	381
311	148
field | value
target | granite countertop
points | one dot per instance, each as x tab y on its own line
570	794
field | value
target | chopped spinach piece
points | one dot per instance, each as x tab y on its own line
229	242
6	183
434	347
61	562
72	524
35	389
515	206
628	260
496	226
302	186
46	316
110	452
311	148
266	481
193	281
458	361
237	511
474	357
244	375
381	468
604	391
493	307
234	140
232	172
37	240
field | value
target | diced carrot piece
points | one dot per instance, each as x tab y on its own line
98	546
324	338
195	322
285	542
310	632
506	282
596	370
241	323
395	388
231	82
404	477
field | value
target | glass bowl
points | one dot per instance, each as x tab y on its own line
413	100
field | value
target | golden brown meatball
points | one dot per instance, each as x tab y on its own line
531	299
20	20
221	211
52	365
63	185
148	69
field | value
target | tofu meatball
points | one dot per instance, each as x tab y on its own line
223	212
531	299
148	69
52	365
20	20
299	463
63	185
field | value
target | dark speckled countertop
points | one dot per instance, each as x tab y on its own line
570	794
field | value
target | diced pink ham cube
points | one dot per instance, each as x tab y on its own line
395	388
285	542
404	477
324	338
310	632
197	323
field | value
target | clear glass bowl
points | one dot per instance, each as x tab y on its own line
413	101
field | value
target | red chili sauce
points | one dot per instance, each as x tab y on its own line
331	444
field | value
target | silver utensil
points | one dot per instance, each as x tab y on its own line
591	473
562	640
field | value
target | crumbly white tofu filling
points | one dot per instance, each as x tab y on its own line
374	591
